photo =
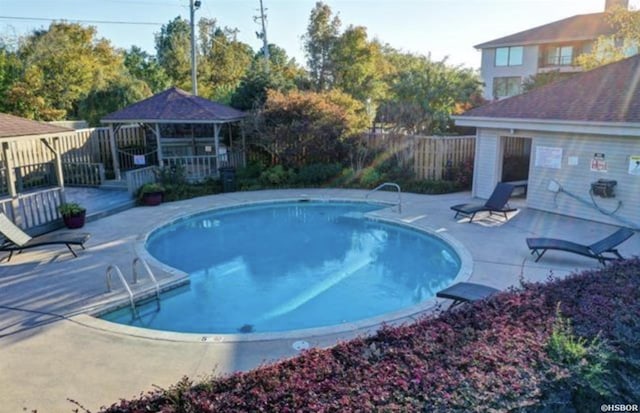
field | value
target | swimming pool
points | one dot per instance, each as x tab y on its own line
289	266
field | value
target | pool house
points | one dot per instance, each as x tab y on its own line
584	135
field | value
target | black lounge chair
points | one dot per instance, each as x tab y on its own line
466	293
596	250
17	240
497	203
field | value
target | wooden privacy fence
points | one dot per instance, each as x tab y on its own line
431	156
84	146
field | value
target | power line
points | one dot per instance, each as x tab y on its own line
81	21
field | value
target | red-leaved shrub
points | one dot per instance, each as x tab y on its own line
486	356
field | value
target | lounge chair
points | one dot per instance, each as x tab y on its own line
497	203
17	240
466	292
539	246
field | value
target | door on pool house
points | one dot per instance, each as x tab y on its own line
516	154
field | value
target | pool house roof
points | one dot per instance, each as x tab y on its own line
16	127
175	106
604	98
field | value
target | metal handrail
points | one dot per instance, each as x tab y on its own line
115	268
149	273
392	185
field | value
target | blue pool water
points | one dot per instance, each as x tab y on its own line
289	266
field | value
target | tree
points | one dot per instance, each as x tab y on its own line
223	62
282	74
119	93
58	68
622	44
298	128
424	94
9	73
321	36
145	67
173	51
358	65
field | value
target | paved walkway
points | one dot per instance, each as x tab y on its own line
51	351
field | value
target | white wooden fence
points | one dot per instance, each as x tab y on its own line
138	177
31	210
200	167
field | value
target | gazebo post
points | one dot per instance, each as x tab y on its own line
244	147
11	179
114	152
216	133
57	160
11	185
158	144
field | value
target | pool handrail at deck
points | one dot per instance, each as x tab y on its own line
392	184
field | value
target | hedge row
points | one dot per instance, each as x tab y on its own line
564	345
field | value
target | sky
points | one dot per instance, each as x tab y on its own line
441	28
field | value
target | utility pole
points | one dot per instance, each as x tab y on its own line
263	35
193	6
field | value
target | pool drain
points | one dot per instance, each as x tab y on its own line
300	345
247	328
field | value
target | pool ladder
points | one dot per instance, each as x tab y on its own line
386	184
127	287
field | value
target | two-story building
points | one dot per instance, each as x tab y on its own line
508	61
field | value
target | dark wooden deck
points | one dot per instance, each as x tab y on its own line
99	202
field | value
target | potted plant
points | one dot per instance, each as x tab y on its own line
73	214
150	194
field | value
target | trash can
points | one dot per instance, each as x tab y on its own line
228	178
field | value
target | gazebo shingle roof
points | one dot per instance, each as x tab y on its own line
15	126
609	93
574	28
175	105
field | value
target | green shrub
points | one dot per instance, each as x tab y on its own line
585	383
277	176
370	177
172	175
432	187
319	173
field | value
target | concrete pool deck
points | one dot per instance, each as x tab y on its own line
50	350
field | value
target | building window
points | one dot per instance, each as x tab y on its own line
506	86
509	56
560	56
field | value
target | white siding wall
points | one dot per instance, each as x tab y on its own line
574	179
488	164
489	70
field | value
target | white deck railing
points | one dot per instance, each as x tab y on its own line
138	177
33	209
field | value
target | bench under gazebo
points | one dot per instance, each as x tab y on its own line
181	130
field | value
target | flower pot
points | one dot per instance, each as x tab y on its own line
152	198
75	221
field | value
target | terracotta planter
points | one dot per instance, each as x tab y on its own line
152	199
75	221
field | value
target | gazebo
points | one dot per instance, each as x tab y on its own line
180	129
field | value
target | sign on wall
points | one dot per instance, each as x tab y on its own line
634	165
598	163
139	160
548	157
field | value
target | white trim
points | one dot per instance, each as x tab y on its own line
552	125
